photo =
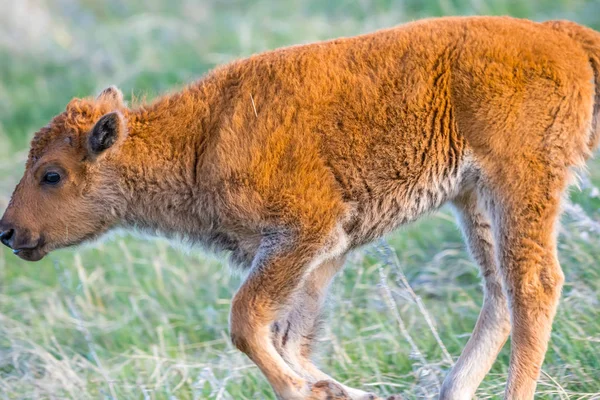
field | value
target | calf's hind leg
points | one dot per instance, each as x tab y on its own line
493	325
524	195
526	237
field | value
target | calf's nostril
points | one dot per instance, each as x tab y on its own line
6	236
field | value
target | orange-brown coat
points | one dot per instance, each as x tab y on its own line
291	158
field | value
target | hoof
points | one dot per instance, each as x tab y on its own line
327	390
370	396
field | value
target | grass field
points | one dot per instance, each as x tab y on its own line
139	319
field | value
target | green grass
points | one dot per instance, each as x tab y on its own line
139	319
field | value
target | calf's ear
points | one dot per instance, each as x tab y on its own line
112	95
109	130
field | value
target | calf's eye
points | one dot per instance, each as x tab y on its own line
51	178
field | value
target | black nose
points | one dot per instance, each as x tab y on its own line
6	237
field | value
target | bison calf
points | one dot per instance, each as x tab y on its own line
292	158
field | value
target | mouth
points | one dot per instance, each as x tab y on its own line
33	254
37	251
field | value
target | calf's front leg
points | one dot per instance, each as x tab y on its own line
279	270
295	332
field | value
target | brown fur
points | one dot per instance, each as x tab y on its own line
291	158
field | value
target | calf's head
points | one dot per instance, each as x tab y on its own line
69	192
